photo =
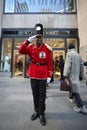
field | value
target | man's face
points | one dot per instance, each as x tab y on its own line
39	40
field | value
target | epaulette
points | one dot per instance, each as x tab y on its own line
48	47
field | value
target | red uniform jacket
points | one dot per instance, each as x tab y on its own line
41	60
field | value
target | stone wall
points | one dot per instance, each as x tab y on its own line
1	14
83	52
48	20
82	21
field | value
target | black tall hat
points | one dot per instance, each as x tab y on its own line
39	29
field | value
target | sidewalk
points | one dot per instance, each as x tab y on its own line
16	107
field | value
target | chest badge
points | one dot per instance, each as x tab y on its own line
42	55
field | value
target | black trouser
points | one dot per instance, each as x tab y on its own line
52	79
78	100
61	73
71	94
77	97
39	95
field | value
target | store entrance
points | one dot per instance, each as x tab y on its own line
18	68
18	64
56	56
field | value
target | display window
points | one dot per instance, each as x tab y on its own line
6	55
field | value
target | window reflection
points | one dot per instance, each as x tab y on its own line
70	5
37	6
9	6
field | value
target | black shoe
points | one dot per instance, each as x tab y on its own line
42	120
34	116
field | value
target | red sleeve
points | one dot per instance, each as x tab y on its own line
24	48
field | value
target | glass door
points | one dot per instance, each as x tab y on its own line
56	56
18	66
18	60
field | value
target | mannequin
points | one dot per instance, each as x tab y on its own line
6	64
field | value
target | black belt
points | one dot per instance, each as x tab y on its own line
38	64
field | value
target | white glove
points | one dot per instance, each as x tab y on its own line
48	80
30	39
